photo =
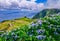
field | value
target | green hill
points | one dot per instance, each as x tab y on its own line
46	12
8	25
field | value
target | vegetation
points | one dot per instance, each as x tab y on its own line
46	12
8	25
43	29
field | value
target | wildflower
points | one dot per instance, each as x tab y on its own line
16	37
58	29
39	31
30	35
32	30
56	33
49	27
40	22
33	24
12	33
40	37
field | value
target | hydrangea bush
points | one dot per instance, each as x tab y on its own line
44	29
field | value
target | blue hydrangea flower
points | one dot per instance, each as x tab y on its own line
49	27
40	31
33	24
16	37
40	22
40	37
58	29
56	33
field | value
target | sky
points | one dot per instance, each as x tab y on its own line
33	5
41	1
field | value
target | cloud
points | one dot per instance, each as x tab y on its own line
53	4
18	4
28	5
4	3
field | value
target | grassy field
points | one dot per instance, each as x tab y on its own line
8	25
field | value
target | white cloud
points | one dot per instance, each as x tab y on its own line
4	3
33	0
53	4
32	5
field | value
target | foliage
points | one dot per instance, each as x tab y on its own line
46	12
44	29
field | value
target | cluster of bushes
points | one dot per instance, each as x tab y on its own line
44	29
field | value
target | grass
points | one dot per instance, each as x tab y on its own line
13	24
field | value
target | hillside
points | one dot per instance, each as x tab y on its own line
44	29
46	12
8	25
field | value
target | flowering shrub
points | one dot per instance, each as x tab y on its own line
44	29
